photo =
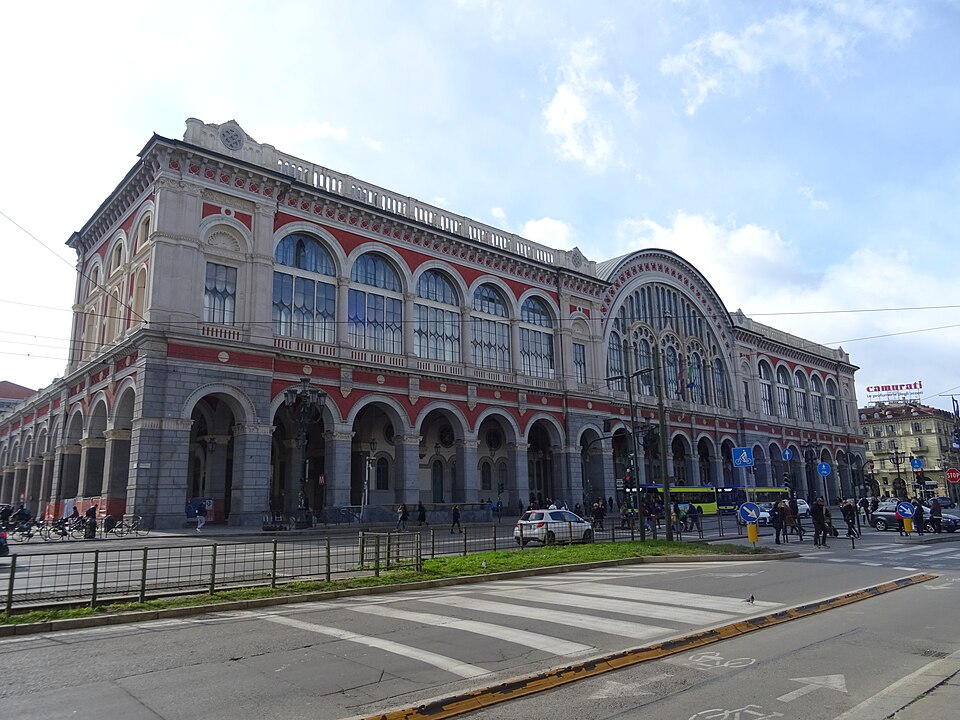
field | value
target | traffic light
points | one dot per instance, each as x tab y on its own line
786	482
918	478
499	488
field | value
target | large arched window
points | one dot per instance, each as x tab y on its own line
816	398
436	332
491	333
784	408
674	386
800	395
536	338
304	302
220	294
766	387
722	396
644	360
615	361
695	383
375	314
832	413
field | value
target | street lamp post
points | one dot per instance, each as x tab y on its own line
662	416
303	402
370	463
897	461
811	452
635	456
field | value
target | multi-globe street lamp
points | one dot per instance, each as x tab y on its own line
303	402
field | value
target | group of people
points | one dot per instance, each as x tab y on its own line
403	515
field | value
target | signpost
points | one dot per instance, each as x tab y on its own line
953	475
787	455
742	457
749	513
823	470
906	510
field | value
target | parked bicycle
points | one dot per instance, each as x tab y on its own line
24	531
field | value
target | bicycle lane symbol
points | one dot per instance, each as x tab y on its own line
713	660
747	712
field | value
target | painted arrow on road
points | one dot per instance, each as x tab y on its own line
831	682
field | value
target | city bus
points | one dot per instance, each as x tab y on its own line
730	498
703	497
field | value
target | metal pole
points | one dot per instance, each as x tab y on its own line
661	411
96	568
627	351
10	579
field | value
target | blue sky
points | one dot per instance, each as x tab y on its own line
802	155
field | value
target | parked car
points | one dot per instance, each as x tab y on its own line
945	502
885	518
803	508
552	526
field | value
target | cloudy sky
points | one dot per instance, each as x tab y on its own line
802	155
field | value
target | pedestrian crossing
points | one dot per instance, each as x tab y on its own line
465	630
885	554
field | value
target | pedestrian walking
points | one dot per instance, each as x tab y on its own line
776	519
201	515
919	518
421	514
499	510
402	516
936	515
819	513
696	512
456	520
849	512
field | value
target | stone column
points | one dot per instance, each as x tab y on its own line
6	485
406	469
694	472
250	496
157	486
571	475
338	467
46	485
20	482
518	480
716	470
466	453
116	467
34	472
92	451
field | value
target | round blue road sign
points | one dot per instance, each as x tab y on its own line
787	454
749	512
823	469
916	463
906	510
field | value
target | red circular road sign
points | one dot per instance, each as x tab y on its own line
953	475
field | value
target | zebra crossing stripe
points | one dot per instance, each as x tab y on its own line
672	597
941	551
624	607
620	628
451	665
547	643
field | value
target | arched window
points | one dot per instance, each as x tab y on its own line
615	361
491	334
486	476
436	332
832	414
536	338
220	294
816	398
644	360
695	378
783	393
139	295
304	303
766	388
720	390
674	386
143	233
800	395
375	315
113	325
94	281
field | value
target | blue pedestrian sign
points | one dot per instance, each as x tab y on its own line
743	457
787	454
749	512
906	510
916	463
823	469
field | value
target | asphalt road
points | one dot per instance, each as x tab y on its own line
360	656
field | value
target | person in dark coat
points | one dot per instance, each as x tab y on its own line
819	523
421	514
918	517
456	520
936	515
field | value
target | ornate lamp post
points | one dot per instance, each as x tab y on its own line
303	402
811	453
371	462
897	460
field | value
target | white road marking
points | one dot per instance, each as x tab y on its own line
620	628
451	665
941	551
625	607
547	643
899	550
908	569
671	597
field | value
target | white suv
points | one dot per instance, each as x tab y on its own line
551	526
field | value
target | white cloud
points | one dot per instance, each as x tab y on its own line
547	231
815	204
293	135
373	144
582	135
802	41
500	215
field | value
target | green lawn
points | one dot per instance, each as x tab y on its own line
438	568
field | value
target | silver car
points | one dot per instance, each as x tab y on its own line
548	527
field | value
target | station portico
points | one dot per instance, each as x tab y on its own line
456	362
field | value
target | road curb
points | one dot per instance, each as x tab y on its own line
471	701
137	616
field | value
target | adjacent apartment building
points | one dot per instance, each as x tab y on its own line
270	334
